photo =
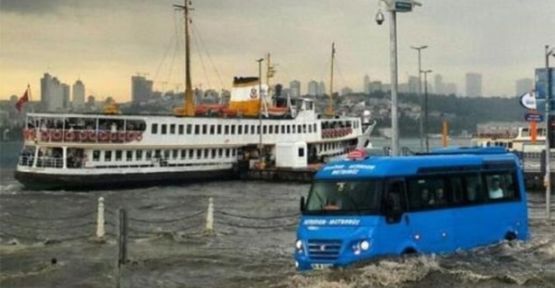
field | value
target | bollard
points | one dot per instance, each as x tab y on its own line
100	230
210	216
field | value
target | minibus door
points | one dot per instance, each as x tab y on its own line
396	231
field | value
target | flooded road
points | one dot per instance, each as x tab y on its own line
47	240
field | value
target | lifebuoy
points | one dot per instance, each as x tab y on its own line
91	135
103	136
70	136
56	135
114	136
130	136
139	136
83	136
44	135
121	136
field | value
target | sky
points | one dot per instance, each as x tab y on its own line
105	42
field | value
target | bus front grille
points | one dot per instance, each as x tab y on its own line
324	249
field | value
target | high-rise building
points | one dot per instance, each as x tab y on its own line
523	86
413	84
295	88
53	93
346	91
450	89
375	86
78	91
312	88
141	89
473	85
439	85
366	84
321	88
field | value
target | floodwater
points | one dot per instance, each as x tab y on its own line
47	240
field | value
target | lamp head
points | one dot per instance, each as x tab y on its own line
380	18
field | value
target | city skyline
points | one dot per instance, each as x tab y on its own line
106	42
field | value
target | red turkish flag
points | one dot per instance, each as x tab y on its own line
22	100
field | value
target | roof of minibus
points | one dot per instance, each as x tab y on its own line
409	165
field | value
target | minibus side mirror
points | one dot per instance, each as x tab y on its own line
302	204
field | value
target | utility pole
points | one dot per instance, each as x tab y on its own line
426	108
418	49
330	111
547	180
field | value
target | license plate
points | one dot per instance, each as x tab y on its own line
320	266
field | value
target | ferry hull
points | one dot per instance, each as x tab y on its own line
117	181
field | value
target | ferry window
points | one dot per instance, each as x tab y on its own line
197	129
500	186
232	129
139	155
191	153
271	129
175	153
246	129
148	154
299	127
220	152
154	128
264	129
219	129
108	155
166	154
301	152
204	129
189	129
288	129
180	129
118	155
212	129
282	129
314	128
205	153
129	155
157	154
213	153
227	152
233	153
258	129
164	129
96	155
199	153
304	128
183	154
426	192
253	128
240	129
172	128
276	129
226	129
309	128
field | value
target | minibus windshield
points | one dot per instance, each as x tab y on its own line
344	197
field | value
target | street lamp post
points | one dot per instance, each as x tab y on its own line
394	6
547	179
425	72
419	49
260	109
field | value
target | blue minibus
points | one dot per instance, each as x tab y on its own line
450	199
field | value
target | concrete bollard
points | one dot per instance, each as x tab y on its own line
210	216
100	230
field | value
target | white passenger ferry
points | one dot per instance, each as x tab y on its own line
83	150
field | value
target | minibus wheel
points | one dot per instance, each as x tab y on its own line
409	252
510	236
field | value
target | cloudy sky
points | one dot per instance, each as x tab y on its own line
104	42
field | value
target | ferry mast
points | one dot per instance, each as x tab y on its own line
189	106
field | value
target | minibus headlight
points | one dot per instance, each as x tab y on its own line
364	245
299	245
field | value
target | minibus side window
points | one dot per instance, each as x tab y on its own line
394	203
427	193
473	187
457	190
500	186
